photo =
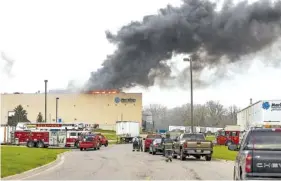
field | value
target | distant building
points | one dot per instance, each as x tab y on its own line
96	107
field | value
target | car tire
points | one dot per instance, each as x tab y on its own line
154	153
81	149
182	156
197	157
174	155
30	144
40	144
228	143
208	158
76	144
106	144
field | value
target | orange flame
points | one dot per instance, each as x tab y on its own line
104	92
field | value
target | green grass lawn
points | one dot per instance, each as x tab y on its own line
222	152
109	134
15	160
211	138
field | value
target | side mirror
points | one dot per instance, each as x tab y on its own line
233	147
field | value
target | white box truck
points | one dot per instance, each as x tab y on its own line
258	113
127	130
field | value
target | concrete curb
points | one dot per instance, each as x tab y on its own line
38	170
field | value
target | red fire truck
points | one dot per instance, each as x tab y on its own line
229	135
44	135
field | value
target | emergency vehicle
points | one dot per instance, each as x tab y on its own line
229	135
44	134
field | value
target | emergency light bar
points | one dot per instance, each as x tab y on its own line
268	124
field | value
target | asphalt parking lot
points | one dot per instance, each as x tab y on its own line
118	162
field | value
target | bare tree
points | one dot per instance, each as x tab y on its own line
210	114
200	112
158	113
232	114
215	113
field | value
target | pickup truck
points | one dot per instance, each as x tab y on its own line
193	144
259	155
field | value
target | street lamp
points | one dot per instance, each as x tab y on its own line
46	82
191	91
57	103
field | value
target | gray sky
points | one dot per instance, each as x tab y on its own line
65	40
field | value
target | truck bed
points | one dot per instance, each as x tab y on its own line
198	147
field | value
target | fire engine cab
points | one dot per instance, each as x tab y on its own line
44	134
229	135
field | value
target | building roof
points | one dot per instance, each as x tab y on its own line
255	104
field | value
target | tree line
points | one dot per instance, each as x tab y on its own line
210	114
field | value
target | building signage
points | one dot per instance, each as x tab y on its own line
124	100
271	106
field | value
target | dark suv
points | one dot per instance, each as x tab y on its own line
259	155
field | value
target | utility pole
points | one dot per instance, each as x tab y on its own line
46	82
57	104
191	93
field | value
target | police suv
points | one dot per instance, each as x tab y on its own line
259	154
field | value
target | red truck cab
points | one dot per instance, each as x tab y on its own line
149	139
228	137
90	141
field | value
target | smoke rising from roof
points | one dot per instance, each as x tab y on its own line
212	39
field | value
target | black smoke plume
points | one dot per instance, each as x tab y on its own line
212	38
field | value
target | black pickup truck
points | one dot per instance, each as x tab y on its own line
259	155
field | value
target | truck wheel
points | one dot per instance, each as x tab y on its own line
208	158
197	157
81	149
76	144
182	156
175	156
30	144
40	144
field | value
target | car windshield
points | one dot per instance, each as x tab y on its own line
264	140
89	138
154	136
193	137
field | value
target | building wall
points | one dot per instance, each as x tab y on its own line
87	108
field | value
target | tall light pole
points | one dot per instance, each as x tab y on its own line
191	92
46	82
57	104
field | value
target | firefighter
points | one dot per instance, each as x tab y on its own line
140	143
168	147
136	143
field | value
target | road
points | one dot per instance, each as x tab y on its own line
118	162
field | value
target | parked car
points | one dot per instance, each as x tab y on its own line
90	141
149	139
103	140
156	146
